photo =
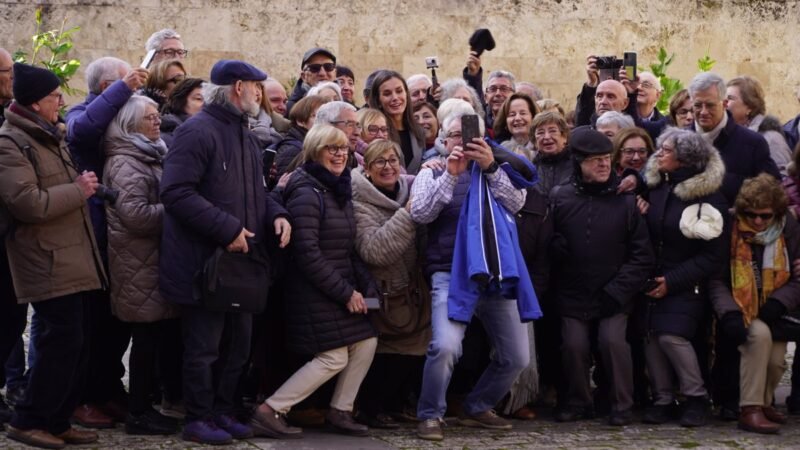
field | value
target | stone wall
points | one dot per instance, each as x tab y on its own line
543	41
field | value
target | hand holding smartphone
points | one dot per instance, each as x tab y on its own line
148	59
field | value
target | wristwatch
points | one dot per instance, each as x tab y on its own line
492	168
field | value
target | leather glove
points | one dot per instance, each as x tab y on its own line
608	306
771	311
732	325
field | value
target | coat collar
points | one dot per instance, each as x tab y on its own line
365	191
700	185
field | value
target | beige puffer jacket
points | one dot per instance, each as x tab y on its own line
134	232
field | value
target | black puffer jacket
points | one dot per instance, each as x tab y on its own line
324	267
535	226
553	170
288	148
601	245
687	264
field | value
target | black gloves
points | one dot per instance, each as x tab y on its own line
608	306
771	311
732	326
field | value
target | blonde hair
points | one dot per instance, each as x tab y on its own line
368	116
378	147
318	137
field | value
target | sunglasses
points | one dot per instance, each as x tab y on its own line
764	216
315	68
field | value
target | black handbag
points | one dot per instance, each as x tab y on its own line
787	328
235	282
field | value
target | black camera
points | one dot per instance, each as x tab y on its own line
608	66
106	194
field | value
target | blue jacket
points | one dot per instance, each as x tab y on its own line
212	187
86	125
487	257
790	132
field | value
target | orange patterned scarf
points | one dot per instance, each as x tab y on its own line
774	268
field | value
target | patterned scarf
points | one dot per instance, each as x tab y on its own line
774	268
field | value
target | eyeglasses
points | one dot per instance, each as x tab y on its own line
153	117
763	216
5	70
315	68
666	150
58	95
630	151
454	135
335	150
682	112
710	106
375	130
381	163
647	85
347	124
176	79
503	89
174	52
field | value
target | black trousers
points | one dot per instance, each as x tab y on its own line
216	351
390	380
725	372
13	317
152	349
56	378
107	340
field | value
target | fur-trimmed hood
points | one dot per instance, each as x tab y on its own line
700	185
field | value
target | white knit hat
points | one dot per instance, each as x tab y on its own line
701	221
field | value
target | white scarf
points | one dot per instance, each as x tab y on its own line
711	136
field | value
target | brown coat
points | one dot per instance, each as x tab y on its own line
386	241
51	250
134	232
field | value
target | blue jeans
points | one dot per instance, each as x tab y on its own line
509	339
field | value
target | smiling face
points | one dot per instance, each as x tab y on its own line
384	171
348	122
376	129
549	139
348	87
150	124
739	110
419	91
276	95
393	97
596	169
633	154
334	157
497	91
315	70
427	120
518	120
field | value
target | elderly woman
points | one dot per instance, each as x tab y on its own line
680	109
458	88
328	90
164	77
685	220
632	148
135	153
425	115
390	95
747	107
612	122
386	241
347	83
512	125
755	292
373	125
326	317
185	101
552	160
302	117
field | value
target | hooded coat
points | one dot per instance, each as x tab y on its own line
687	264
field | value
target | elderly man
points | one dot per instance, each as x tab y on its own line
602	256
647	96
418	85
111	83
318	65
168	45
437	198
213	199
52	254
611	122
499	86
276	95
342	115
533	91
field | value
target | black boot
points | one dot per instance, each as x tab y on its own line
695	413
150	422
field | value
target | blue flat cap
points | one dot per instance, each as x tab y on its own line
228	71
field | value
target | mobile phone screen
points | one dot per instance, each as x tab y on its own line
469	129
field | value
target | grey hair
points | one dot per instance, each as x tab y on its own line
705	80
104	69
691	149
450	86
502	74
615	118
156	39
537	93
330	112
455	108
657	83
417	77
326	85
215	94
127	120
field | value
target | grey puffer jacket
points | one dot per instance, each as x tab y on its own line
134	231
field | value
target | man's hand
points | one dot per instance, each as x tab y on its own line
642	205
592	73
356	304
437	93
437	164
283	229
240	243
473	63
628	184
135	78
456	162
87	182
284	180
480	152
630	85
659	291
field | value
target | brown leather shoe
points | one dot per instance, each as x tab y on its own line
306	418
35	438
77	437
266	422
773	415
90	416
116	410
752	419
343	422
524	413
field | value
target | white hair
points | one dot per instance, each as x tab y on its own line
215	94
326	85
705	80
417	77
501	74
127	120
106	68
156	39
452	110
330	112
657	82
450	86
615	118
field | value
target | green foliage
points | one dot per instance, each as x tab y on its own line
50	49
705	63
669	85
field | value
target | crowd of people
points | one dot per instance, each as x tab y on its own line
284	259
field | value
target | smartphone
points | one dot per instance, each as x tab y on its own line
469	129
629	63
373	303
148	58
